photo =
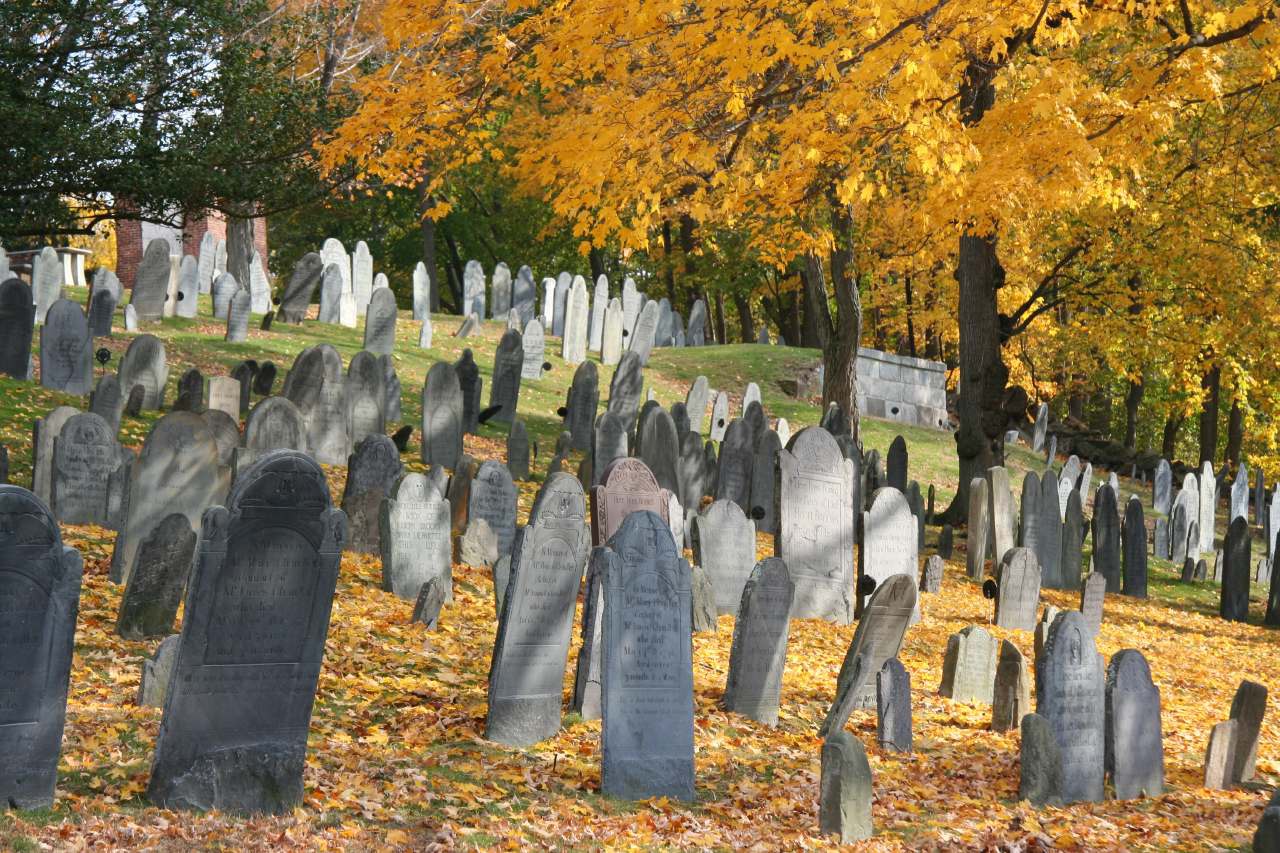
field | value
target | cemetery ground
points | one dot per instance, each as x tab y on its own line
396	756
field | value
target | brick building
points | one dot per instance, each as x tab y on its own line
133	236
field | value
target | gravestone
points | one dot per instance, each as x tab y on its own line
1072	542
330	294
969	666
493	498
695	403
724	545
1093	592
501	290
151	282
526	676
300	291
691	472
177	472
1002	512
442	424
90	473
225	287
580	407
1068	478
626	486
1069	695
144	364
238	317
188	288
373	470
1011	693
945	542
1248	708
107	402
665	329
317	386
473	289
643	333
1239	505
259	287
816	525
469	326
130	319
844	789
646	664
524	295
17	323
736	458
1040	763
504	391
1041	428
609	442
893	707
421	292
979	528
226	436
1106	537
1018	598
563	283
658	445
611	340
764	475
632	301
719	416
267	569
190	392
896	464
758	653
478	546
518	451
600	298
574	345
415	542
889	541
472	386
431	598
43	434
380	321
877	638
1134	741
1234	602
585	700
362	277
1135	550
696	332
275	423
931	579
66	349
157	672
1162	488
624	390
1208	507
1219	757
533	344
102	311
40	579
1049	551
548	302
205	261
1029	525
151	597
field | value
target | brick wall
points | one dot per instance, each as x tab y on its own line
129	243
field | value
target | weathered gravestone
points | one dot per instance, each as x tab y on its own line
364	401
1208	507
931	577
643	333
969	666
144	364
40	588
1018	598
626	486
646	664
1162	488
585	700
845	789
66	349
695	403
659	446
877	638
275	423
580	407
696	334
504	391
151	597
1040	763
90	473
1248	708
238	316
177	472
526	676
493	498
889	542
1011	693
380	322
758	653
1069	695
225	287
518	451
599	299
372	472
188	288
893	707
317	386
431	598
415	540
1234	603
472	386
501	290
157	672
300	291
1029	526
1068	478
473	289
611	343
1072	543
763	507
43	433
574	345
737	454
816	525
1106	537
1093	592
331	292
1220	755
1000	494
17	324
719	416
561	301
226	435
151	282
979	528
724	545
625	388
1134	741
234	732
609	442
442	424
107	402
1048	538
1134	550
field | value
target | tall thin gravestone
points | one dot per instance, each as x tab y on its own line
1069	695
758	652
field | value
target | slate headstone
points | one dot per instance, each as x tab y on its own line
1069	695
1018	598
893	707
380	321
1234	604
1135	743
969	666
845	789
1011	694
17	323
493	498
90	473
504	391
442	424
66	349
877	638
724	545
144	364
151	597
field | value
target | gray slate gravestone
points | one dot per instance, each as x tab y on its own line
130	319
758	653
585	700
330	293
1239	506
659	447
896	464
609	442
275	423
632	301
695	403
1162	488
600	299
737	455
611	341
238	316
580	407
893	707
979	528
190	392
107	402
90	473
696	333
415	540
526	677
317	386
300	291
643	333
889	541
877	638
225	287
1018	598
473	289
1049	536
1072	543
501	290
1234	602
442	424
548	312
533	344
151	597
719	417
1248	708
1208	507
931	579
1093	592
816	525
1011	693
151	283
646	664
188	288
157	672
259	288
493	498
563	282
1068	478
724	545
764	477
234	732
1106	537
573	348
144	364
41	582
524	295
1041	428
177	471
1134	742
1040	763
625	388
362	276
845	789
102	311
1069	695
969	666
43	433
373	470
1134	550
471	385
1029	526
66	349
380	322
421	292
478	546
518	451
431	597
1003	523
46	280
504	391
665	327
17	324
205	261
226	434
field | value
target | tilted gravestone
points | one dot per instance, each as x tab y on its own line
301	289
151	282
90	473
1234	602
66	349
157	672
373	470
504	391
380	322
889	541
1134	741
625	388
1069	695
144	364
969	666
646	664
442	424
493	498
1018	598
724	544
877	638
17	324
1248	708
415	539
234	732
177	471
758	653
816	525
585	700
40	587
1011	693
643	333
151	597
979	528
526	677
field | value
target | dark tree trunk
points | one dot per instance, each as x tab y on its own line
840	374
455	270
817	314
746	323
596	258
1132	401
1075	403
1235	434
428	229
790	325
1209	415
722	336
911	326
1169	440
670	266
239	248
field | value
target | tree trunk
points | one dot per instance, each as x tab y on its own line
1075	403
1235	434
791	317
911	326
455	270
428	230
596	259
840	374
817	314
722	336
1209	415
1169	441
1132	401
746	323
670	266
239	248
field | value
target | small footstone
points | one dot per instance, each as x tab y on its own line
430	600
478	546
931	580
945	544
844	796
704	601
156	671
133	405
893	706
1011	698
1220	755
1041	778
